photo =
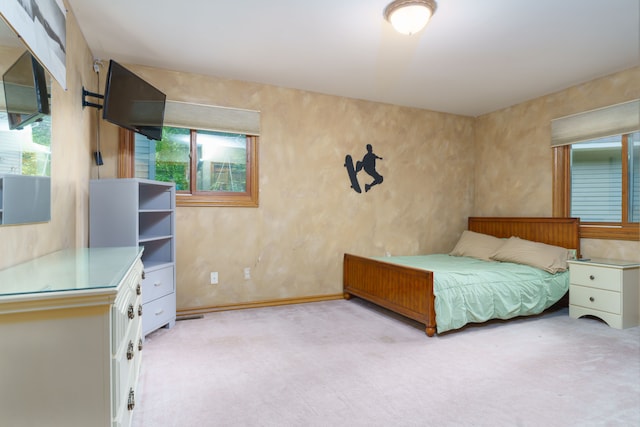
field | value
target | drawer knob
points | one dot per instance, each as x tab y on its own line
144	276
130	351
131	402
592	299
140	344
130	312
138	289
140	310
592	277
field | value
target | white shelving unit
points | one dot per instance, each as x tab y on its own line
139	212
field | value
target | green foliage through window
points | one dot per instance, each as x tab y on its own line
218	160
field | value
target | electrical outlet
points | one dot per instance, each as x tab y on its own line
247	273
214	277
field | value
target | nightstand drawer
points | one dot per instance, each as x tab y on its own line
596	277
596	299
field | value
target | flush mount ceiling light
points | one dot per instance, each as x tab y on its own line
410	16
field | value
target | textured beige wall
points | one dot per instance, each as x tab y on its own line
8	55
308	215
513	173
435	176
72	131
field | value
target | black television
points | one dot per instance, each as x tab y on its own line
25	92
132	103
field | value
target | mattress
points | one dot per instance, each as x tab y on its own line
468	290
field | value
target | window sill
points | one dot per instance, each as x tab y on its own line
610	231
244	200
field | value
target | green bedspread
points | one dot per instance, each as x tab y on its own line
470	290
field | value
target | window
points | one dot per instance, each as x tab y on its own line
596	172
209	168
210	152
599	181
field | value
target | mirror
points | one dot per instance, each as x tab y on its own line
25	154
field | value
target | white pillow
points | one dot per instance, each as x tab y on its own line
477	245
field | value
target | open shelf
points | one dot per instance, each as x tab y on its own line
138	212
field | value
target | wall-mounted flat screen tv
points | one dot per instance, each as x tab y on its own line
25	92
132	103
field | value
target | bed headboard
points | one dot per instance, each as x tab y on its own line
562	232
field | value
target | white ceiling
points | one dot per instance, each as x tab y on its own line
474	57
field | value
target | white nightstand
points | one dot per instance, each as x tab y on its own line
607	289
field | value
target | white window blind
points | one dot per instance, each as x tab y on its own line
145	155
596	182
634	181
210	117
603	122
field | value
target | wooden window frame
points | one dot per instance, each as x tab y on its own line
249	198
623	230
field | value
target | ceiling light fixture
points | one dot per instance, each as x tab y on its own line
410	16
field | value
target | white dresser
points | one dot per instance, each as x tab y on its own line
71	334
606	289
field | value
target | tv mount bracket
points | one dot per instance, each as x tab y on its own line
86	103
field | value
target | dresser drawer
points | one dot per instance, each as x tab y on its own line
125	318
158	313
125	371
157	283
596	277
596	299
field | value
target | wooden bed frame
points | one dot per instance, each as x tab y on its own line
409	291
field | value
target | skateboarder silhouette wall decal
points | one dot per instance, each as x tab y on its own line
368	164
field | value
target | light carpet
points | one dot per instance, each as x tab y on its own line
349	363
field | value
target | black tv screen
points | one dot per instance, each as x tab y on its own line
25	92
132	103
